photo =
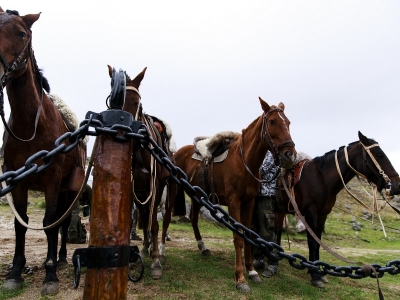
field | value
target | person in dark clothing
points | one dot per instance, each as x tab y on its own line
264	217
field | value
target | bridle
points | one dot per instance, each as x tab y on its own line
17	64
377	171
275	149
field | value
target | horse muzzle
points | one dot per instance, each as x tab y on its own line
288	157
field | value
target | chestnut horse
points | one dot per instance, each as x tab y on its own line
36	124
149	178
236	179
320	182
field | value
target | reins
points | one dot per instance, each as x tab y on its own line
16	65
153	167
380	175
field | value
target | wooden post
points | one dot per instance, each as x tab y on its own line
110	220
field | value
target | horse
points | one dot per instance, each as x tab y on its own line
35	125
149	179
236	180
322	178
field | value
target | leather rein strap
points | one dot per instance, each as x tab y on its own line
16	65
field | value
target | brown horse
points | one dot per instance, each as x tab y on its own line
320	182
149	178
36	124
236	179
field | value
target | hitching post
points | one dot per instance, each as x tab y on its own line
110	219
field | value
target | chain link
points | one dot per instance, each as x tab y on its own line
122	133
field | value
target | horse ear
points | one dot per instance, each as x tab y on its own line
264	105
281	106
30	19
1	10
110	70
362	137
138	79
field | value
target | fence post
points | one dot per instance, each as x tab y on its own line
110	219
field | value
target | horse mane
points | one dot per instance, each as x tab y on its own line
45	82
320	160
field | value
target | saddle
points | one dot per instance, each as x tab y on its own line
208	150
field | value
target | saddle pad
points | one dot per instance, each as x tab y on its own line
219	158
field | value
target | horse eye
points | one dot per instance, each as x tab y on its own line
272	122
22	34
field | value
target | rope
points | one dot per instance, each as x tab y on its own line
64	216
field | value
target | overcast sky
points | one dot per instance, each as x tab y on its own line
334	64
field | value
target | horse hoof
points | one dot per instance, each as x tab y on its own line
255	278
206	252
12	284
156	271
324	279
50	288
243	287
317	283
62	265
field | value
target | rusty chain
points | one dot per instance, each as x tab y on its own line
124	133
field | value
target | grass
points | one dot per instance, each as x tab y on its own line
189	275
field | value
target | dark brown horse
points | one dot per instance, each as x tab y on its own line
320	182
36	124
149	178
236	179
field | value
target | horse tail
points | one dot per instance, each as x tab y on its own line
180	205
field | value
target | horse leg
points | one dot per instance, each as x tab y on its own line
169	204
144	217
51	282
194	218
313	246
62	262
234	209
246	216
14	280
156	268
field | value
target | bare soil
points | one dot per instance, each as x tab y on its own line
35	252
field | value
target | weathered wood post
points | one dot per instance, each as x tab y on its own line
107	257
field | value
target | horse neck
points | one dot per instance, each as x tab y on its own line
345	171
24	97
254	149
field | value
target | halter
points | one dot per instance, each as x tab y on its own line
266	137
15	65
131	88
380	175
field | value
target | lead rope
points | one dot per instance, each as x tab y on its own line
374	187
344	184
23	223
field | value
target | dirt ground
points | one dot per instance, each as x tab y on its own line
35	252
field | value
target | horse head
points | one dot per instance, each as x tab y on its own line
132	98
377	167
276	133
15	46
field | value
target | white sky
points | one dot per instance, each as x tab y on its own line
334	64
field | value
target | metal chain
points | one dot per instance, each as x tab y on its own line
124	133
